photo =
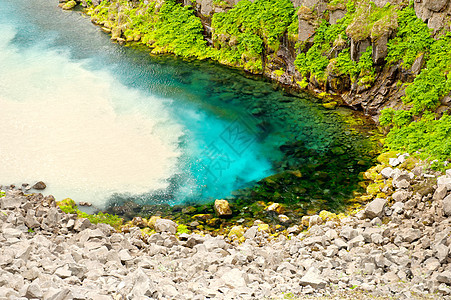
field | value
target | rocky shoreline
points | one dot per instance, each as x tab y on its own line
398	246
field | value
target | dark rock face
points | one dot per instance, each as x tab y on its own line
435	5
380	49
39	185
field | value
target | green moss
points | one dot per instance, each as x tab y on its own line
68	206
372	21
279	73
69	5
182	229
383	158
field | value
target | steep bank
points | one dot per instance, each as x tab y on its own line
386	57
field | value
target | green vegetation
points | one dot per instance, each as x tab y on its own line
2	194
416	127
241	33
68	206
182	229
431	137
250	32
368	20
318	60
178	31
412	39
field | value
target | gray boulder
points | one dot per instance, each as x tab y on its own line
447	206
440	193
375	208
165	225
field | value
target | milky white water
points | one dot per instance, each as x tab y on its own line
102	123
61	124
98	122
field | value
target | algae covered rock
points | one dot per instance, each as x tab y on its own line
276	207
69	5
222	208
238	231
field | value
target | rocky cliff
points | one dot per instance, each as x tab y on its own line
389	59
279	42
385	90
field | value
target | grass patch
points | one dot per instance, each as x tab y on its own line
68	206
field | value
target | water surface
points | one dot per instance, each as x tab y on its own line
97	121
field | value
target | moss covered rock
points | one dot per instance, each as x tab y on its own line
69	5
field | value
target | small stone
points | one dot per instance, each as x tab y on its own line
444	180
293	229
355	242
124	255
251	232
387	172
398	207
432	264
11	233
331	251
313	279
447	206
39	185
63	272
82	224
393	162
410	235
30	220
401	184
341	244
377	238
440	193
442	252
238	231
34	291
277	207
315	220
400	196
235	278
283	218
444	277
69	5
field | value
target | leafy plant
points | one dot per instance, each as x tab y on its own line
413	38
241	34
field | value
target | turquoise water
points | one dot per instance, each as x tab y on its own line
99	122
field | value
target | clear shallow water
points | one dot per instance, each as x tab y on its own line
99	122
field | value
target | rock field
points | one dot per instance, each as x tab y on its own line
398	246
